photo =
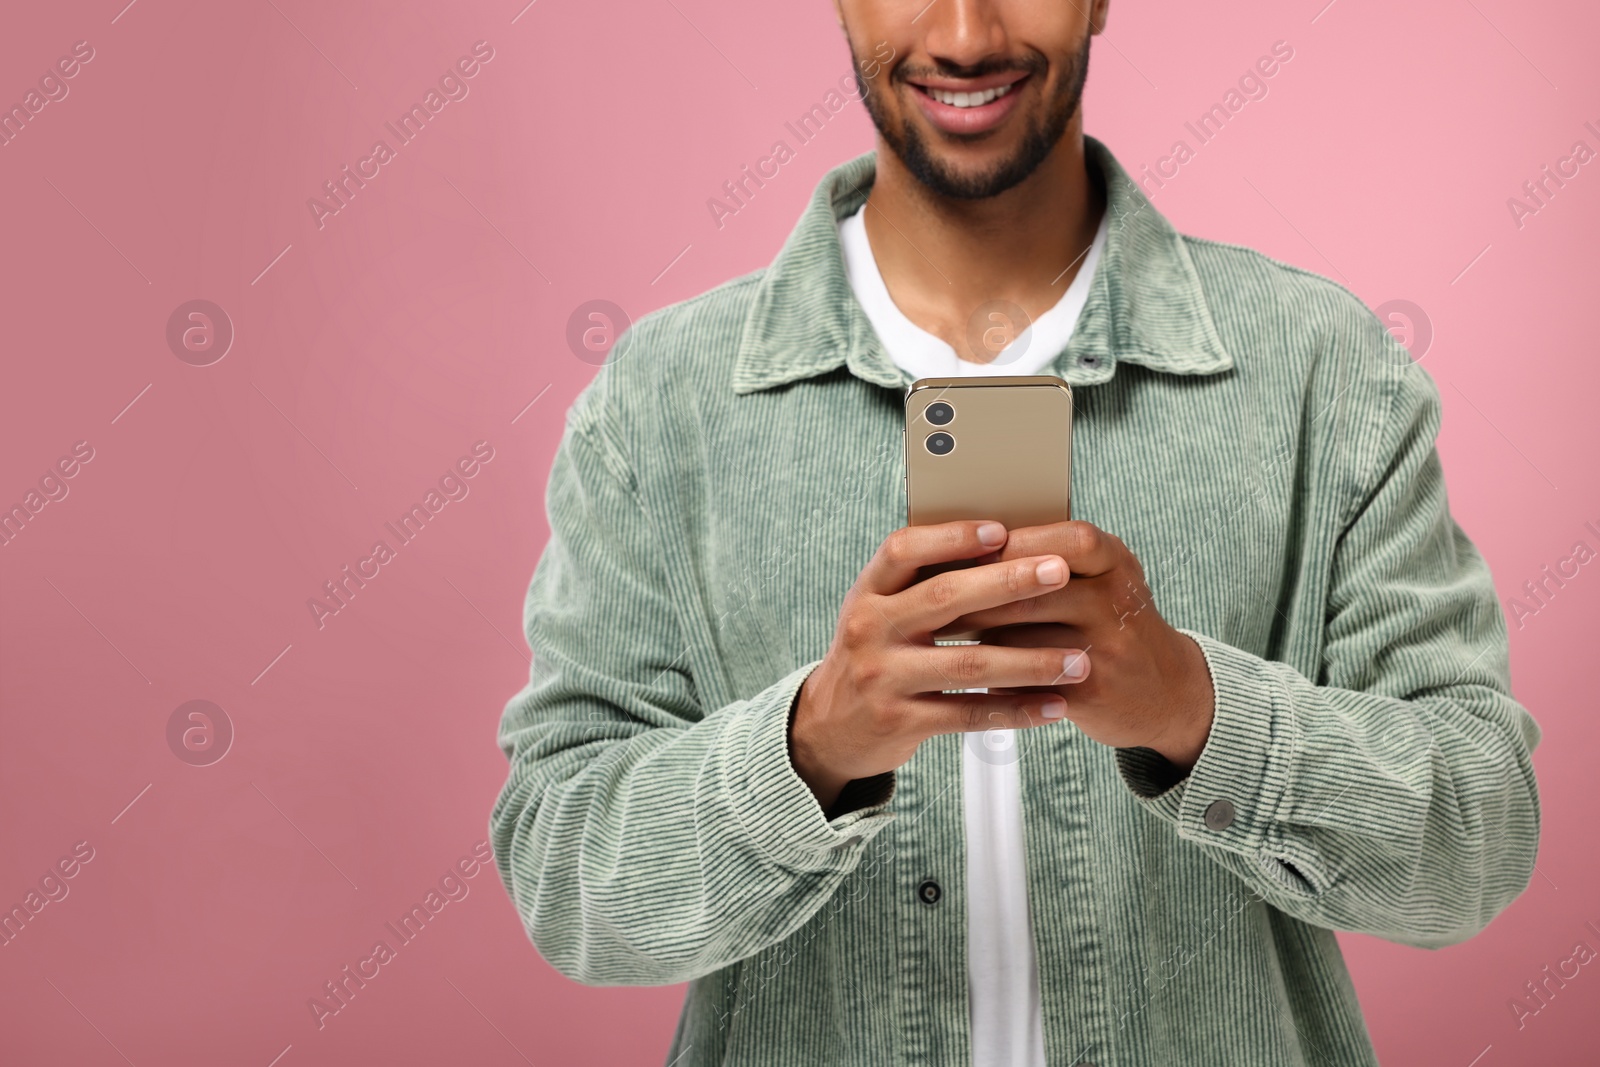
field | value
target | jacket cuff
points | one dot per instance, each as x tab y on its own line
778	811
1231	796
863	793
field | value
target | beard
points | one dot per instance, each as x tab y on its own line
1040	138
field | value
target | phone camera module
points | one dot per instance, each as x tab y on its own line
939	413
940	444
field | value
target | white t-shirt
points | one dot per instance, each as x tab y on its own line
1002	973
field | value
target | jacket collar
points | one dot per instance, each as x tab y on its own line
1145	304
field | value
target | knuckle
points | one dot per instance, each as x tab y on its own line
889	719
856	630
941	589
1084	538
1020	577
896	548
869	671
972	714
1024	609
968	664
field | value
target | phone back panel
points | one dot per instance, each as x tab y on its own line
1012	454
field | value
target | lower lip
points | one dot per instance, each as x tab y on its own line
960	120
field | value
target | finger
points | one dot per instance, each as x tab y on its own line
952	713
931	670
936	601
1041	635
1087	549
1075	667
1082	602
894	566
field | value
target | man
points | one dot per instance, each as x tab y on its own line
1256	694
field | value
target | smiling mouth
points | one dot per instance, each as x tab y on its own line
970	99
968	107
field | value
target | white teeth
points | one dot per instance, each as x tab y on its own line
968	99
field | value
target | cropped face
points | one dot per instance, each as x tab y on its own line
978	92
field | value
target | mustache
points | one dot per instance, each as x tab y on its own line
1034	64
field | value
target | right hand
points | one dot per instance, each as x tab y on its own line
879	692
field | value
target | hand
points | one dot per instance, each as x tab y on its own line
878	693
1149	685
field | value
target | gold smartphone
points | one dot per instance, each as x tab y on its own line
988	448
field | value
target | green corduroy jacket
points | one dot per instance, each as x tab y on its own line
1263	446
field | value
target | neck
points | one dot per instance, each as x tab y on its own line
941	258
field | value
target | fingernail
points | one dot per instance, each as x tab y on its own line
1053	708
1075	667
992	534
1051	572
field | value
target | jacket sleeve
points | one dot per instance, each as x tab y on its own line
1395	796
645	839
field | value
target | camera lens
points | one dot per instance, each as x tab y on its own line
940	444
939	413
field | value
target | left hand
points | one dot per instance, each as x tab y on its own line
1146	684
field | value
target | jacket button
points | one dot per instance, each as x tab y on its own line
1219	815
929	892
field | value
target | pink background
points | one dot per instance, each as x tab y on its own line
430	311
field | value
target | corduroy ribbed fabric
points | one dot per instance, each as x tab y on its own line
1263	446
